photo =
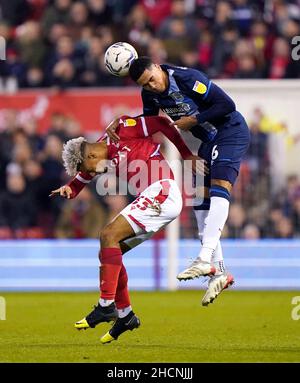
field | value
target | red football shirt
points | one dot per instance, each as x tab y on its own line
136	157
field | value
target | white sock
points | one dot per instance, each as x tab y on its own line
214	224
105	302
201	217
217	257
122	313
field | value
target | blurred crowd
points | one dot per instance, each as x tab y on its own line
61	43
31	167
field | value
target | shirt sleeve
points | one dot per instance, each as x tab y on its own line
205	93
220	105
195	82
79	182
156	124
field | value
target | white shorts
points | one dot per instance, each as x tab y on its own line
158	205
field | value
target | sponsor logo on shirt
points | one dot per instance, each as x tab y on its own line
199	87
129	122
177	96
181	109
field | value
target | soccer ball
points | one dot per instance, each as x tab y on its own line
118	58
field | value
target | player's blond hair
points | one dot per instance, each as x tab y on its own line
72	155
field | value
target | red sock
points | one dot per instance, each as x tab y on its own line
111	263
122	295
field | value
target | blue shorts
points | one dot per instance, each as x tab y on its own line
226	151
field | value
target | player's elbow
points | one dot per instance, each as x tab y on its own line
221	100
228	105
108	237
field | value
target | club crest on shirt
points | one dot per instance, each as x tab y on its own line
177	96
199	87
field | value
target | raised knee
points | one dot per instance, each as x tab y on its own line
105	235
108	237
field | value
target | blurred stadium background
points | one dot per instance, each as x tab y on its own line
54	87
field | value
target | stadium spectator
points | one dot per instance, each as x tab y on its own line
51	157
100	12
236	221
178	31
72	128
58	13
261	41
33	173
94	72
257	155
52	167
65	64
138	27
157	10
34	78
78	217
79	19
17	204
6	32
242	14
223	52
57	125
284	228
157	51
178	12
223	15
281	59
30	44
14	12
56	31
247	68
21	151
205	49
189	58
296	213
251	231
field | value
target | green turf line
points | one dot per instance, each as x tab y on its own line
239	327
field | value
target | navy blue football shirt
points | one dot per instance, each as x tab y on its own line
191	93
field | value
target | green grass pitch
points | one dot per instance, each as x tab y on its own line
239	327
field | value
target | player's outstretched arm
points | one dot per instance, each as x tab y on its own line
74	187
162	124
79	182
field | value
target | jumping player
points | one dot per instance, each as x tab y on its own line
159	202
200	107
